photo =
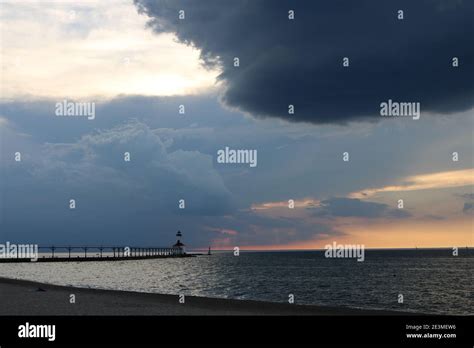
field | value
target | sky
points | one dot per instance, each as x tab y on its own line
334	169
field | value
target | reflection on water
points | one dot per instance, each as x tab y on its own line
431	281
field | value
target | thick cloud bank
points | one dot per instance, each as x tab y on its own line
115	198
350	207
300	61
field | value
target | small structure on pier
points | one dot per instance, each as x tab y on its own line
178	245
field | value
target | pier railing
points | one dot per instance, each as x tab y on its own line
99	253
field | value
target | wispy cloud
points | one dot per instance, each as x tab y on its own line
225	231
440	180
298	203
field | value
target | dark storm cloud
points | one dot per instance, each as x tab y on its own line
299	62
352	207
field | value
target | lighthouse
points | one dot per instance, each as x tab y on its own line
178	245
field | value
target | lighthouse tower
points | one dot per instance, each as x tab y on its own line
178	245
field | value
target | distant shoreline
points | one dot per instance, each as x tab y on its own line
30	298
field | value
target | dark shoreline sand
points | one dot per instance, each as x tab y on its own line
21	297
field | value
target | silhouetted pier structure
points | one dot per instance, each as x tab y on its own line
100	253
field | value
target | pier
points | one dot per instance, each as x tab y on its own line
98	253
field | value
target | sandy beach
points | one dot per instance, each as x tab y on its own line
21	297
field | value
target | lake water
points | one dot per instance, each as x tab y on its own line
431	281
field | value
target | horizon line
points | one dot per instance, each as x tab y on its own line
322	249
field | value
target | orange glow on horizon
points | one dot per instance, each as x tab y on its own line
387	235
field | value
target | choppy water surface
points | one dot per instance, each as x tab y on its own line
431	281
